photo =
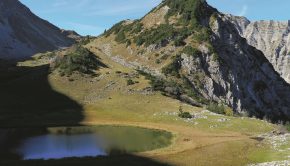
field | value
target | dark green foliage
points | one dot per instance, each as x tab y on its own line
173	68
173	88
157	35
81	60
137	27
216	108
181	36
130	82
287	126
191	51
128	42
191	11
118	72
86	40
115	29
203	35
190	90
163	34
121	30
158	61
120	37
185	115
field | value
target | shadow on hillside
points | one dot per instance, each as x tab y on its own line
27	99
120	160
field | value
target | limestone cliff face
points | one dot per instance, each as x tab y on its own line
271	37
23	34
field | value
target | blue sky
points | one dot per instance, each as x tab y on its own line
255	9
92	17
89	17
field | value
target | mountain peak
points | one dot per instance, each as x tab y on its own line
23	34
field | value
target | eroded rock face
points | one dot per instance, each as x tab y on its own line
271	37
23	34
240	75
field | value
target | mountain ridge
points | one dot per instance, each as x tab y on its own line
271	37
194	43
24	34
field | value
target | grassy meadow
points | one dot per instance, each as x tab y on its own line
38	97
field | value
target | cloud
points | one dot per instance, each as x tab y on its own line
120	7
244	11
66	6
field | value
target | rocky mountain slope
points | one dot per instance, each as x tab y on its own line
271	37
23	34
194	53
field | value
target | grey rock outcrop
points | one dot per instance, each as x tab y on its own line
271	37
238	74
22	34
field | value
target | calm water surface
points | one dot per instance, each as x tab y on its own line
65	142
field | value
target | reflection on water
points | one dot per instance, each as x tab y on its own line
65	142
61	146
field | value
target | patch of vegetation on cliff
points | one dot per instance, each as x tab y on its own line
220	109
122	31
80	60
191	11
160	34
173	68
191	51
174	87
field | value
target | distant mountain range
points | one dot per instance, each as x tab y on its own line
22	34
271	37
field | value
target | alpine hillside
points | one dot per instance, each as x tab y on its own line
183	69
194	53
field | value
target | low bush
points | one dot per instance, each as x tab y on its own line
130	82
173	68
220	109
191	51
80	60
185	115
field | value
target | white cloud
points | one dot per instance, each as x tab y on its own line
119	7
244	11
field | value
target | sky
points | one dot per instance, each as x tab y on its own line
92	17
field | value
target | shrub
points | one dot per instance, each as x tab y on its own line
185	115
137	28
216	108
191	51
173	68
158	61
130	82
203	35
288	127
229	111
156	36
80	60
191	11
120	37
